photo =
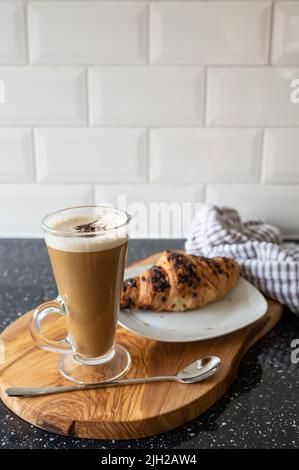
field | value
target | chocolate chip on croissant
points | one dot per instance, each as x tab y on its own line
179	282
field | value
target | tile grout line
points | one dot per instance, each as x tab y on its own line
93	193
204	192
148	136
271	34
27	42
87	96
75	65
34	155
149	126
262	161
148	33
205	97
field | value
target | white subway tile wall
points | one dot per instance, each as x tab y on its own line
12	32
100	33
43	96
281	156
210	33
91	155
205	155
169	208
24	205
16	155
139	102
251	96
146	96
285	38
277	203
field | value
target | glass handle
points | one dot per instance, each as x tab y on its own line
41	312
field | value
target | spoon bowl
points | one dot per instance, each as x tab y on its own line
199	369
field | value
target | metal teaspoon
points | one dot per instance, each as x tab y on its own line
199	370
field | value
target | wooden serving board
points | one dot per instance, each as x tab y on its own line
125	412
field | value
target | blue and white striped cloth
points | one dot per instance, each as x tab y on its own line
266	262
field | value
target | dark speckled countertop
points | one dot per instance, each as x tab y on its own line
260	409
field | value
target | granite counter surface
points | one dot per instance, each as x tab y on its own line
259	410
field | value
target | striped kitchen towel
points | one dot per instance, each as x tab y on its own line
266	262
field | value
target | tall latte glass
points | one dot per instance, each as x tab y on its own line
87	247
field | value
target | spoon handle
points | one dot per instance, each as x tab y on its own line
203	371
39	391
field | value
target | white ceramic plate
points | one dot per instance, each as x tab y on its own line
243	305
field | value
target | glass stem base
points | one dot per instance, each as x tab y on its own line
113	365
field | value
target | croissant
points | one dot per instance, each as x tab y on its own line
180	281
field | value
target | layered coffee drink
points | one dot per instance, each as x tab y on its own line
88	261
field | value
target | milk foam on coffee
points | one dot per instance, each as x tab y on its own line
69	238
